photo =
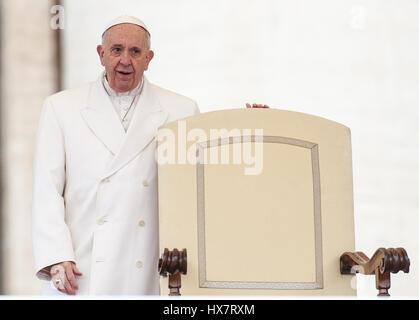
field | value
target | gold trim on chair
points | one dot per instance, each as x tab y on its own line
203	281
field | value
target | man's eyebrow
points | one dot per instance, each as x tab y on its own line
121	46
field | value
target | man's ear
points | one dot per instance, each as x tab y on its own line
150	55
100	52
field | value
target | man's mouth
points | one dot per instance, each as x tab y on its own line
124	72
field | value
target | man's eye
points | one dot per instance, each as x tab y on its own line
135	51
116	50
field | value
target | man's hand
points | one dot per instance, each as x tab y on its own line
63	276
256	105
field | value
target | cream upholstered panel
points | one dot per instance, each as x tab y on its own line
272	223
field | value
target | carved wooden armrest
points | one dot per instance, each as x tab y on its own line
173	263
381	264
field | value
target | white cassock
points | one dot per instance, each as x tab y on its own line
95	188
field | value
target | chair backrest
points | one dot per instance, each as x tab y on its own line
262	199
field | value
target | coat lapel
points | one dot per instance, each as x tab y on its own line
100	116
148	117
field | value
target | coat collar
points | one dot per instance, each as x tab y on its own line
101	118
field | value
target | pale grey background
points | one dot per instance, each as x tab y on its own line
351	61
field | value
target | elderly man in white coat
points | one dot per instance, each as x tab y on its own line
95	194
95	227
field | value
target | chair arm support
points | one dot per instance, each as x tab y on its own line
173	263
382	263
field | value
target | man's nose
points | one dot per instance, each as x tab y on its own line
125	59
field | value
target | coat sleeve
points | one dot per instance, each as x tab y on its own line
50	234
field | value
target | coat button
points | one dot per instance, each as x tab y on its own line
106	180
139	264
145	183
100	221
141	223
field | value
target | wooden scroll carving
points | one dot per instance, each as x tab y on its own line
381	264
173	263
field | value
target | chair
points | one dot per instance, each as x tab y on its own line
260	202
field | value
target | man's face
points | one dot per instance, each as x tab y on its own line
125	56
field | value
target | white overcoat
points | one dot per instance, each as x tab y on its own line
95	188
